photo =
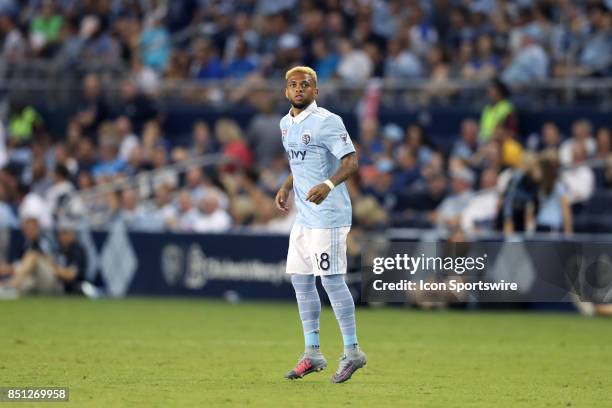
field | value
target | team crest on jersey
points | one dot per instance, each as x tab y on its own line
306	137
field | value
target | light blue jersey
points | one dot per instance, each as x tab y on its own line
315	141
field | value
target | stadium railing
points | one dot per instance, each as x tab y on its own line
33	78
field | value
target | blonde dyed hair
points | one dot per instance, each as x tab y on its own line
303	70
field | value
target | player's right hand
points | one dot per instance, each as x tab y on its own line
281	200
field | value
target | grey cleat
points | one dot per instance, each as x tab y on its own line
308	363
349	363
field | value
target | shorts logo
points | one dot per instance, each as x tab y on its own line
306	137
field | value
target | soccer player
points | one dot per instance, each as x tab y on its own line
321	157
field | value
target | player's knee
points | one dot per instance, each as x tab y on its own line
303	280
332	282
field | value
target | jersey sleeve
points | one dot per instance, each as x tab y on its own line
335	138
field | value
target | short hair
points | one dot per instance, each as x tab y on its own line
303	70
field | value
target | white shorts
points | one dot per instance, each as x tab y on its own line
318	251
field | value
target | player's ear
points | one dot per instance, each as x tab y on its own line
286	93
316	91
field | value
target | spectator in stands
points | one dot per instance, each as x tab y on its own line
326	59
152	137
354	65
263	134
485	63
92	110
448	214
212	217
289	53
415	140
233	146
369	215
60	192
33	205
272	177
579	178
63	156
499	111
25	126
417	208
596	55
178	67
164	173
401	62
243	31
511	149
482	209
131	212
155	43
529	64
549	138
86	154
467	144
519	199
242	63
136	106
377	181
582	132
146	79
187	214
421	33
201	142
440	71
14	46
110	163
371	145
127	139
161	214
99	46
194	182
206	63
554	212
407	170
8	218
45	29
36	177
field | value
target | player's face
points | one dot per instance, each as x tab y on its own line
301	90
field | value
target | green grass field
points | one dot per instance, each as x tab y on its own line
166	353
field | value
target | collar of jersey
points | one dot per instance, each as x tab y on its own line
303	114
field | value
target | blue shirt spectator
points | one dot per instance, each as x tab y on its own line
550	214
529	64
155	47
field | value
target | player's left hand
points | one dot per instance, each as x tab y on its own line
318	193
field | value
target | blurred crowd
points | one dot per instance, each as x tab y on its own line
116	160
119	163
350	40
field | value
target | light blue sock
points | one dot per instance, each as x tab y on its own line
309	306
344	308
